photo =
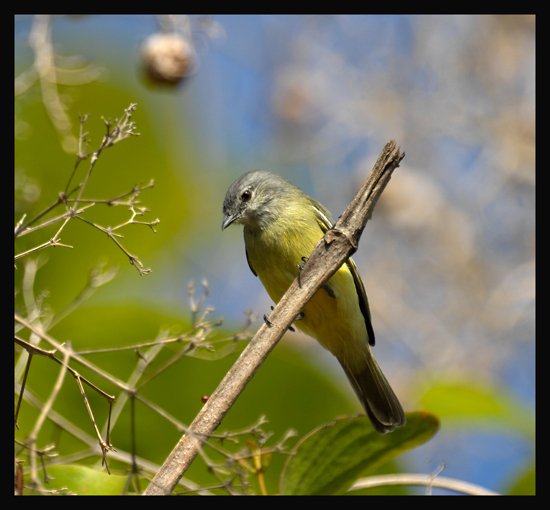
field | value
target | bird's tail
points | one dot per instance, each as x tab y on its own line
375	393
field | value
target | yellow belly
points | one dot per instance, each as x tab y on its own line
336	322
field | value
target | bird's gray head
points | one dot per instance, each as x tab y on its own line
256	198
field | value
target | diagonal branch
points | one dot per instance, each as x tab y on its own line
329	254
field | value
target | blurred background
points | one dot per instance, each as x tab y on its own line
447	259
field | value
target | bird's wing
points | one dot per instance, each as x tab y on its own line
249	264
324	220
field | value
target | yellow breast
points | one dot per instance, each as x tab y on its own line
336	322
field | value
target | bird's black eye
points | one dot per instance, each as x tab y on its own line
246	196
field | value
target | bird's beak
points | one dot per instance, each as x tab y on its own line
229	218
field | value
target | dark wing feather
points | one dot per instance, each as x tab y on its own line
324	220
249	264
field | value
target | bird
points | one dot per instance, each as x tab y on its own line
282	225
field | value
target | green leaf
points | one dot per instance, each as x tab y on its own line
330	458
84	481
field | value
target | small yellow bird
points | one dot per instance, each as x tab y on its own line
281	226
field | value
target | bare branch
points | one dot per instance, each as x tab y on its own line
116	131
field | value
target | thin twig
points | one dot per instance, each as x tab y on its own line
52	242
422	480
25	229
23	384
105	445
31	439
123	129
30	348
116	200
79	359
